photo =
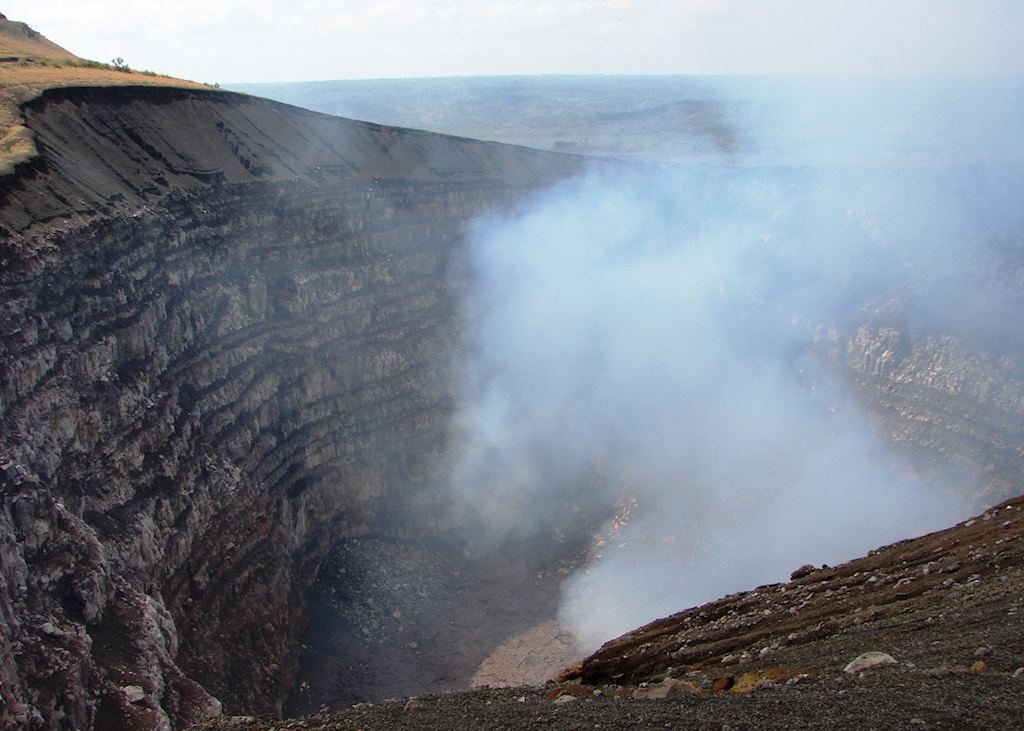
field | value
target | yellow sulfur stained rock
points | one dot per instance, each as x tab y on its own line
751	681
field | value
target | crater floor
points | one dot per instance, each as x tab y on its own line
392	618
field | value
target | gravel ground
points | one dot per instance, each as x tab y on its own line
885	698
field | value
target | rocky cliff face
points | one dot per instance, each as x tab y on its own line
959	406
224	324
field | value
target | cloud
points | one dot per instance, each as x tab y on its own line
653	340
315	39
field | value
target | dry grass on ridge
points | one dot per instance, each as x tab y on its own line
30	64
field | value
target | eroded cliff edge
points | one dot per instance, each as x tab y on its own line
224	324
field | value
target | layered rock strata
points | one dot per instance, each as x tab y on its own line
224	330
945	399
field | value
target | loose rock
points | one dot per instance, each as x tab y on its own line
723	683
868	660
803	571
134	693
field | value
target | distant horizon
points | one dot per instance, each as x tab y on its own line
255	41
835	75
637	115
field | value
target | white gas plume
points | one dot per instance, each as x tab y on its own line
675	338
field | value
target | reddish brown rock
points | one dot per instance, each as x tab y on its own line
723	683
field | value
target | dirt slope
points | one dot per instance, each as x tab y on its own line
19	41
959	588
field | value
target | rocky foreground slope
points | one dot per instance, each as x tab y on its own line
924	633
224	324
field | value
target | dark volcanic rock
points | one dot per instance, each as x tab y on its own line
223	325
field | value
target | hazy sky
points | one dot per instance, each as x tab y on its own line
258	40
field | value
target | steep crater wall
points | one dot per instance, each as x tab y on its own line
225	325
225	330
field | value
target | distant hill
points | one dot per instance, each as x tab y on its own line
753	119
669	117
18	41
